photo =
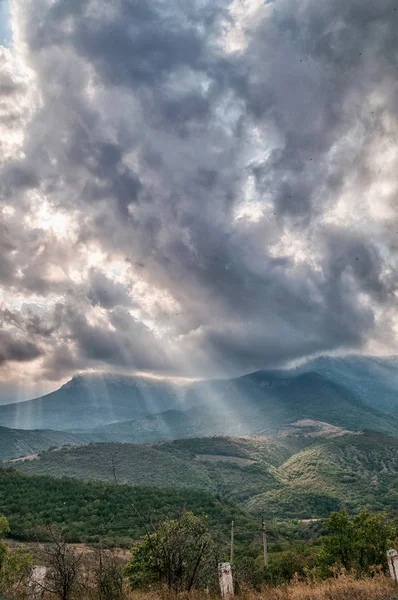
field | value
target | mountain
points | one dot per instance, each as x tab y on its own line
91	400
18	442
373	379
354	392
304	472
258	403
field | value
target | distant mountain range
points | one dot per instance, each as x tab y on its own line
259	403
354	392
307	471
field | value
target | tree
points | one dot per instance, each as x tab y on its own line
108	575
15	567
64	566
180	554
357	542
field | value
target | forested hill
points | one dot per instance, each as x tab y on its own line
307	471
96	511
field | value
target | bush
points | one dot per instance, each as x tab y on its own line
180	555
357	542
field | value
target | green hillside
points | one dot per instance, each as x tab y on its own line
236	468
97	511
356	471
18	442
300	475
128	463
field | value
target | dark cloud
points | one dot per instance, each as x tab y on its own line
230	175
107	293
130	344
18	350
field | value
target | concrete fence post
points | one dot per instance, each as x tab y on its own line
36	581
392	559
225	579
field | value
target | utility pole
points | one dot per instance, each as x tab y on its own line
264	542
231	558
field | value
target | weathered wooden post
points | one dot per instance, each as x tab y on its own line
225	579
392	559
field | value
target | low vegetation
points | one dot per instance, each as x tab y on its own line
179	557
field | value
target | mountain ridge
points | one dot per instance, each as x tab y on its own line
353	391
256	405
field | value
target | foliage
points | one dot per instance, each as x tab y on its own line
108	576
97	512
14	567
357	542
180	554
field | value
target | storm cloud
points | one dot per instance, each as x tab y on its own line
197	189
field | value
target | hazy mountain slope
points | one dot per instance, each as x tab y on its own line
373	379
17	442
91	400
255	404
341	391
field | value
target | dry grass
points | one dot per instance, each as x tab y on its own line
343	588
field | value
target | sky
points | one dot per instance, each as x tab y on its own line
5	31
198	188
